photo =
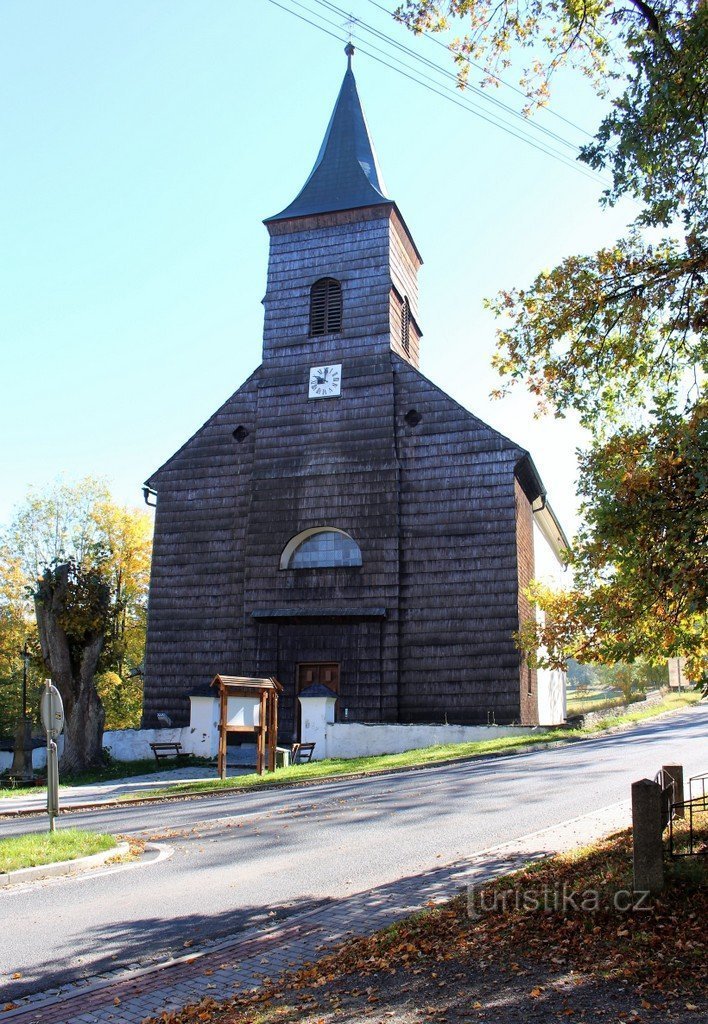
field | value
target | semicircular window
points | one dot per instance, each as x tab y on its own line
321	549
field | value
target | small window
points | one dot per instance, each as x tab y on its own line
325	307
406	326
321	549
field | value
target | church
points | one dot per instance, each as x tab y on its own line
340	522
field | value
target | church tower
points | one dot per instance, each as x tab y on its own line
342	295
343	267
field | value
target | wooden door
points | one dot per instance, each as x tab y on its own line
324	672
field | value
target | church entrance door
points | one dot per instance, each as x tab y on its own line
325	673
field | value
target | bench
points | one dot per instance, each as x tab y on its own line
302	753
167	750
16	780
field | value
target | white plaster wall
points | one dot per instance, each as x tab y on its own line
134	744
552	708
201	737
352	739
316	715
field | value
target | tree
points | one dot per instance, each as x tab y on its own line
86	563
620	335
72	602
16	628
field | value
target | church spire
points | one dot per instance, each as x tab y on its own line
346	174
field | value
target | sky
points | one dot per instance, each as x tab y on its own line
143	144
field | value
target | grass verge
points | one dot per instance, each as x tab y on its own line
524	953
672	702
50	847
336	768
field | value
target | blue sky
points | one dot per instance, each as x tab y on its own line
143	144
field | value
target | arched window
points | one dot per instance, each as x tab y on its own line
325	307
321	548
406	326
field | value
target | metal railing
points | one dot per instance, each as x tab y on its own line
691	839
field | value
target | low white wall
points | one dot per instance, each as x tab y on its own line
134	744
351	739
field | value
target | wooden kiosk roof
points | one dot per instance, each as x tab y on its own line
247	684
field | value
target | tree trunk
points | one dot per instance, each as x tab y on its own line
72	664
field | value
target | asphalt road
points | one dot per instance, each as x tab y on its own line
253	857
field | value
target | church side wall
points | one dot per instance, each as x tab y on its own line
195	607
458	562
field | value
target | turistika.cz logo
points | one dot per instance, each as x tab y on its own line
553	899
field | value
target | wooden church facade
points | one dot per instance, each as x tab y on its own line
340	520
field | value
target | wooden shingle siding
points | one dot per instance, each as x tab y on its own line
458	600
442	526
196	594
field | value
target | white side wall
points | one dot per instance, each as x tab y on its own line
352	739
551	682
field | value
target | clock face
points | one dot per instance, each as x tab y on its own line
325	381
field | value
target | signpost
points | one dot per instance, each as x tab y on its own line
52	711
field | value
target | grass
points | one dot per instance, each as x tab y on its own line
586	705
336	768
672	702
49	847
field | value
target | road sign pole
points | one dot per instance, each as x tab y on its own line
52	784
53	721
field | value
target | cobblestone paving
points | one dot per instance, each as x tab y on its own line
243	960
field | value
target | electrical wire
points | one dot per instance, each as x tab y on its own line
436	88
432	38
451	76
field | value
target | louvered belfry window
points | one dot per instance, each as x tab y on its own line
406	326
325	307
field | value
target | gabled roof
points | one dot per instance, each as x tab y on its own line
346	174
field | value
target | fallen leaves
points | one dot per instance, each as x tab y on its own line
657	955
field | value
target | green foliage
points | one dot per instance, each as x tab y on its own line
619	336
122	700
105	549
17	627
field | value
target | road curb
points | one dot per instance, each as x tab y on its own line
62	867
306	783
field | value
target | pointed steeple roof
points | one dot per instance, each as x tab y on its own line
346	174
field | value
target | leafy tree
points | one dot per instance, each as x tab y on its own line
86	562
16	627
72	603
122	699
619	335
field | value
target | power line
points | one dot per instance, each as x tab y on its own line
450	75
480	67
436	89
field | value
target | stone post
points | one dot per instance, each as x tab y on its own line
647	830
674	773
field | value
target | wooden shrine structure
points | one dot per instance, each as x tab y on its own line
248	706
